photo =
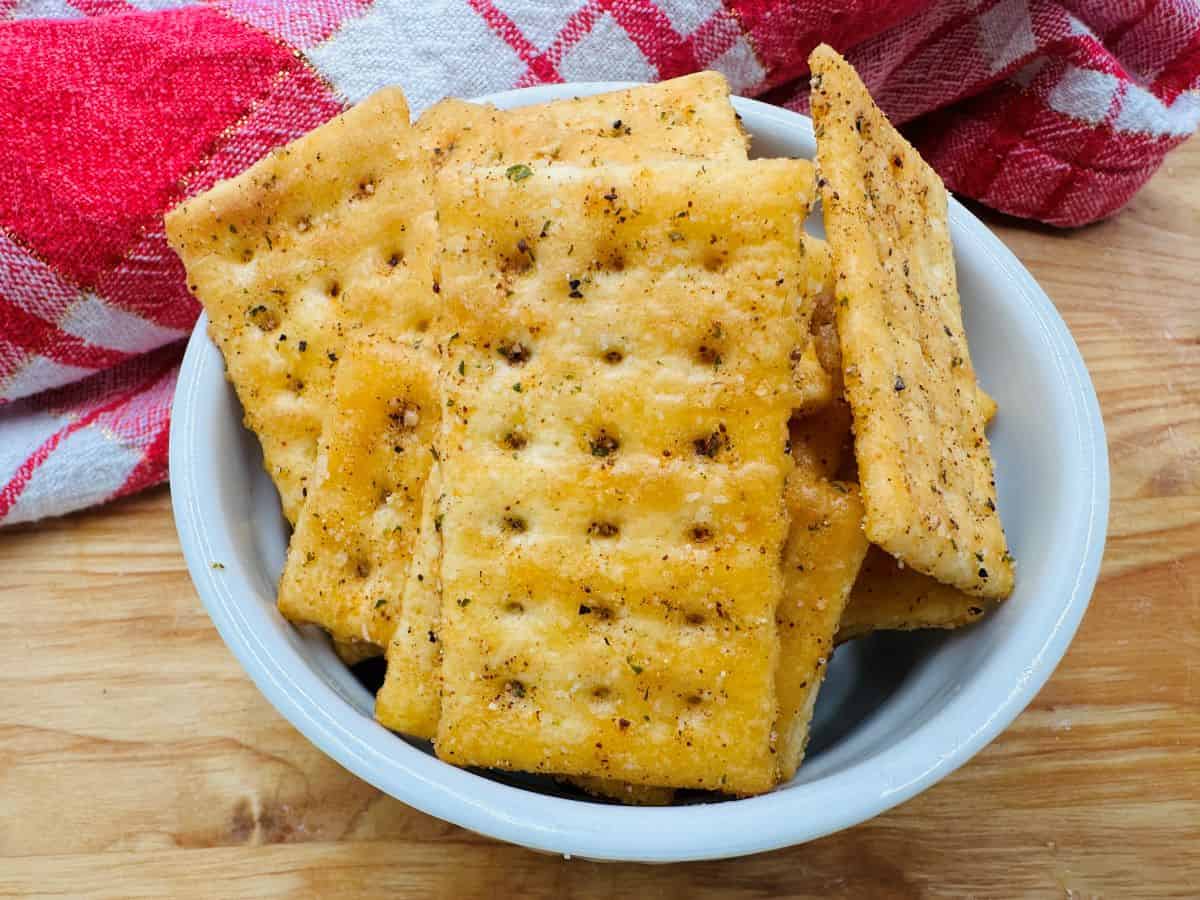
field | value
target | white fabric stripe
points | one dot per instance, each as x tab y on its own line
41	374
24	431
686	16
32	285
394	44
45	9
1006	34
1084	94
606	53
541	23
1142	112
740	66
160	4
85	469
104	325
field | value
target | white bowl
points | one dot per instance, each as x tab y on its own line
898	712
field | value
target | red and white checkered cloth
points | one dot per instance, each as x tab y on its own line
112	110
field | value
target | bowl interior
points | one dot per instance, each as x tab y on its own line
897	712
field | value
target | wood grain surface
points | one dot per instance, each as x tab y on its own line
137	760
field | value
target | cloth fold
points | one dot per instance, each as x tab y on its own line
110	114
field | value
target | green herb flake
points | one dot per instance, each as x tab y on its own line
464	602
518	172
637	670
218	565
517	387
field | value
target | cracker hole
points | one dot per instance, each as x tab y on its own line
303	224
700	534
603	530
602	693
334	289
423	326
694	699
516	688
715	261
395	258
404	414
514	440
695	619
263	317
603	444
612	356
514	352
711	347
711	444
247	254
708	354
602	613
610	261
362	568
519	260
366	188
514	608
515	524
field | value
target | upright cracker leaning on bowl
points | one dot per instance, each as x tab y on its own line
923	458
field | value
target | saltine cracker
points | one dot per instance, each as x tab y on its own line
889	596
681	117
610	576
824	550
320	238
923	459
349	555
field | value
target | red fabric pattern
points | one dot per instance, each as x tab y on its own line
1055	110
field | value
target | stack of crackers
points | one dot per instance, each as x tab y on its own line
578	426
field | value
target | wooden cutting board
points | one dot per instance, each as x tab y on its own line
136	759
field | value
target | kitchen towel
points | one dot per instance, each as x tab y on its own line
111	111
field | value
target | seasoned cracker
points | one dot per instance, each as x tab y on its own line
683	117
353	652
821	441
321	238
612	515
987	407
923	458
410	699
812	380
888	596
824	550
629	794
349	555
